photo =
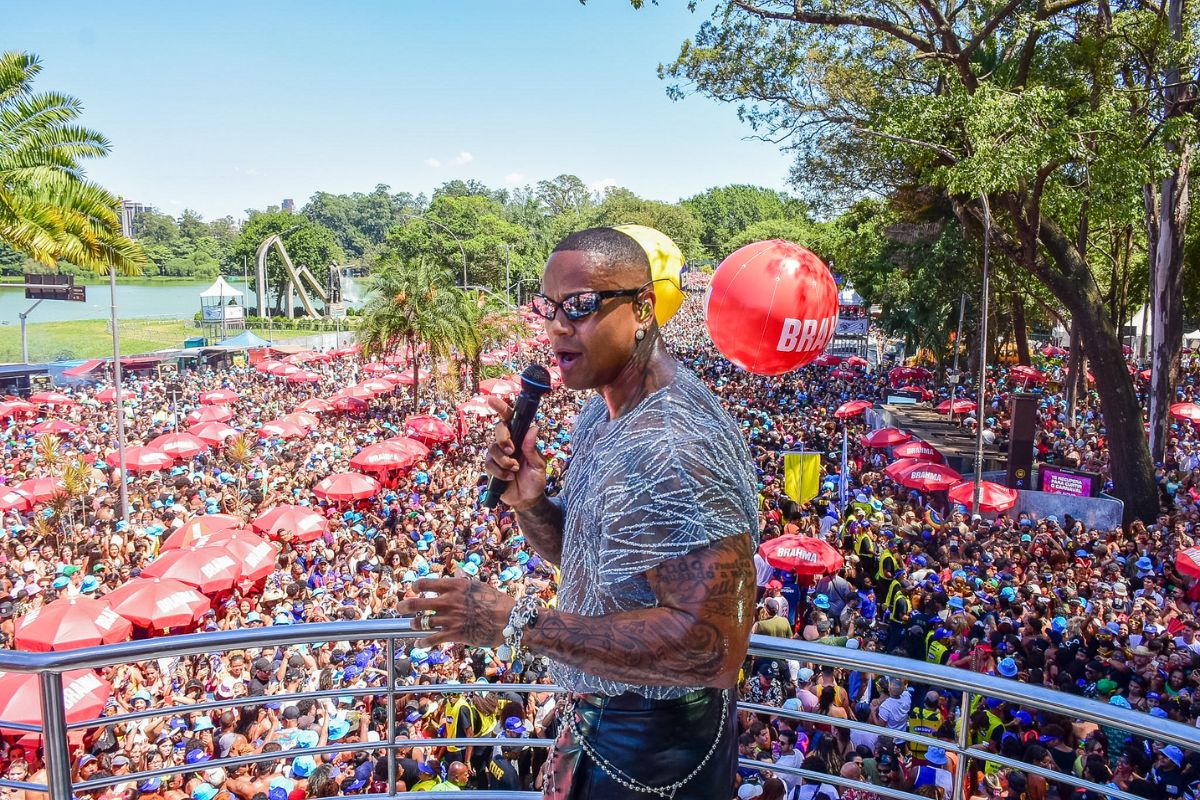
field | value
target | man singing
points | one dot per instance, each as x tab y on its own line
654	533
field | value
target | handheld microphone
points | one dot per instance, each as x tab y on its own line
535	382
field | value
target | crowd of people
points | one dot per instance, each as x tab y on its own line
1102	614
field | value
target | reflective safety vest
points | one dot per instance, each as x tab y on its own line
452	725
864	545
900	605
886	560
924	721
935	652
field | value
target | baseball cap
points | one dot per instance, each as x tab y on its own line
513	725
749	790
204	791
196	757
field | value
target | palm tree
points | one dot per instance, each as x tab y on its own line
413	303
491	322
48	210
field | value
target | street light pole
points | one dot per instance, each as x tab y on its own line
981	390
24	315
117	402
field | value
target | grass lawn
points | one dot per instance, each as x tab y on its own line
54	341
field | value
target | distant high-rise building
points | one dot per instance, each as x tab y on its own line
289	205
131	217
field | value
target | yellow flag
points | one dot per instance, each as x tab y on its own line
801	475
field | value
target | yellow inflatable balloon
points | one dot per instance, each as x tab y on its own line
666	267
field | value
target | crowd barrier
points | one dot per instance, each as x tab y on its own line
963	684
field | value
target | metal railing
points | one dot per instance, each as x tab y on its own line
969	687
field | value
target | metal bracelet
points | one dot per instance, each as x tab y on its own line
523	613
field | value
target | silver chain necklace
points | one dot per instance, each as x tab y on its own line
613	772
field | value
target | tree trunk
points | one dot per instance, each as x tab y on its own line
1074	359
412	357
1020	330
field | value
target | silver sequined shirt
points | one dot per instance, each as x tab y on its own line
666	478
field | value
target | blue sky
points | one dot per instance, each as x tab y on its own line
222	106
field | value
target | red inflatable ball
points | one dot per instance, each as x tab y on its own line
772	307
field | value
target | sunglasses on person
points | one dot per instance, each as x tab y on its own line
578	305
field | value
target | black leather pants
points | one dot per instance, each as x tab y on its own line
654	742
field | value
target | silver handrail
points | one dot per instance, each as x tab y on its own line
969	685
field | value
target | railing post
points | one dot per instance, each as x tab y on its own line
54	736
964	741
391	714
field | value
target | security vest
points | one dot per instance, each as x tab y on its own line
924	721
864	545
935	652
900	606
452	724
888	560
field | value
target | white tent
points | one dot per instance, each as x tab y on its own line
1194	336
849	297
1140	320
221	288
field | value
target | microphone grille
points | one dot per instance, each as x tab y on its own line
536	378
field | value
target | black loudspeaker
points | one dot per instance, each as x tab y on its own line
1023	411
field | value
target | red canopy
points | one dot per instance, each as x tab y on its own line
494	358
1053	351
304	419
218	397
158	603
1186	411
804	555
376	368
960	407
343	486
885	437
852	409
340	402
39	490
1187	562
1026	374
266	365
922	475
282	370
210	414
12	408
920	390
282	429
69	623
499	387
918	450
993	497
84	694
205	524
214	433
315	405
303	376
380	457
210	568
846	374
52	399
856	361
56	426
13	501
140	459
305	524
828	360
407	445
429	429
106	395
180	445
256	555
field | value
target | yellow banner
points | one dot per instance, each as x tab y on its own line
801	475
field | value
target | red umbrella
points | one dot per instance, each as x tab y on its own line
1186	561
187	533
210	414
265	365
919	450
993	497
885	437
281	428
39	490
1053	351
106	395
856	361
214	433
343	486
68	623
210	568
14	408
158	603
499	387
282	370
804	555
315	405
828	360
1186	411
51	399
960	407
84	694
406	378
13	501
56	426
846	374
922	475
256	555
476	406
349	350
430	429
407	445
376	368
218	397
180	445
852	409
140	459
357	392
303	419
1144	374
379	457
304	376
377	385
494	358
919	390
353	405
304	356
1026	374
304	523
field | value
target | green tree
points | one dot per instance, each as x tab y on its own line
308	244
563	194
621	206
410	303
48	209
361	222
725	212
489	322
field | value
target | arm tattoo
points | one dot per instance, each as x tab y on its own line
697	635
542	524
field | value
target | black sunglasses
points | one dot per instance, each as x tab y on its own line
580	304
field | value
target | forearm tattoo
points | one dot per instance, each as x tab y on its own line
542	525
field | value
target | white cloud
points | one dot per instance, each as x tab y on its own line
463	158
602	184
253	171
514	179
433	162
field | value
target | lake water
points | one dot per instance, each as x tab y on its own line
135	298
